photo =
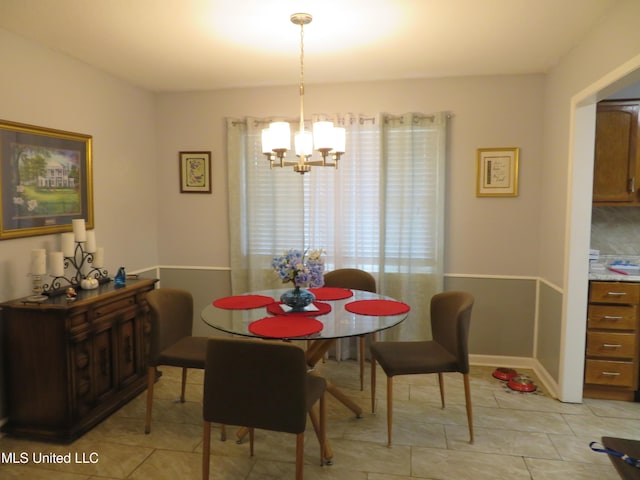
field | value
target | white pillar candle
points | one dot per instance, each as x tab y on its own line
38	261
98	258
79	230
56	264
91	241
68	244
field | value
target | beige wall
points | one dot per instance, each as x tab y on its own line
43	88
483	235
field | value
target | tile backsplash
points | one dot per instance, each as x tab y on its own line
616	230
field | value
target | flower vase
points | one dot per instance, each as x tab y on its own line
297	298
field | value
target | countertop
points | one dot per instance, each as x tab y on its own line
613	277
599	269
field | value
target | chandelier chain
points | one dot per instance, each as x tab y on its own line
301	87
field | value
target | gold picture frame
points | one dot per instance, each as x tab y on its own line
497	172
46	180
195	172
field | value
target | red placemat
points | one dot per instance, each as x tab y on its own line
243	302
289	326
377	307
322	309
331	293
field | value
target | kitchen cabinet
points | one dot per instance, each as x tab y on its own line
616	178
70	364
612	343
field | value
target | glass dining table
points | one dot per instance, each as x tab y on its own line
337	313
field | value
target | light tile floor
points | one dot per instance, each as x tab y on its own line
517	436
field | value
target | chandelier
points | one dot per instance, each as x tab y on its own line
325	138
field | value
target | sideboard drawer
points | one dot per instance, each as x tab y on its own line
611	345
612	292
612	317
601	372
114	306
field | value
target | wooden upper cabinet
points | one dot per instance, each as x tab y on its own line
616	176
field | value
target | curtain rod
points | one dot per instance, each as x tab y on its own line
361	119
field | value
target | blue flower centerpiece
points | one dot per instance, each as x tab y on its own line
304	270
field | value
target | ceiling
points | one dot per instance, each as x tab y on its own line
185	45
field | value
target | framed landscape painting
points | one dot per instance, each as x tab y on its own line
46	180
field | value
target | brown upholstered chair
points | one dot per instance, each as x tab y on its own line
353	278
171	340
260	384
447	352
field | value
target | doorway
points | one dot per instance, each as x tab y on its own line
579	224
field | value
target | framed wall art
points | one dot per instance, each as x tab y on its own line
497	172
46	180
195	172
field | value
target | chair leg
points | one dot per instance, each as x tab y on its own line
374	338
373	383
467	399
223	433
362	342
299	456
389	409
206	449
184	384
151	378
252	432
323	428
441	384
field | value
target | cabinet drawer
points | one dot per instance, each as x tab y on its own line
615	292
611	345
612	317
115	306
617	374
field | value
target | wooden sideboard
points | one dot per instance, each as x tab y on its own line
70	364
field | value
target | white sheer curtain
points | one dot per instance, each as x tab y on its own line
381	210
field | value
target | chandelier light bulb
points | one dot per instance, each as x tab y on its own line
280	136
304	143
323	135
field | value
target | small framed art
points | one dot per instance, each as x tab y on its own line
497	172
195	172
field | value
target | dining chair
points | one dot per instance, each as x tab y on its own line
260	384
171	341
448	351
354	278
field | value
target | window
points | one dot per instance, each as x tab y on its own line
352	213
381	211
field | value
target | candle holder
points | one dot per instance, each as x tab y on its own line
36	289
79	262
